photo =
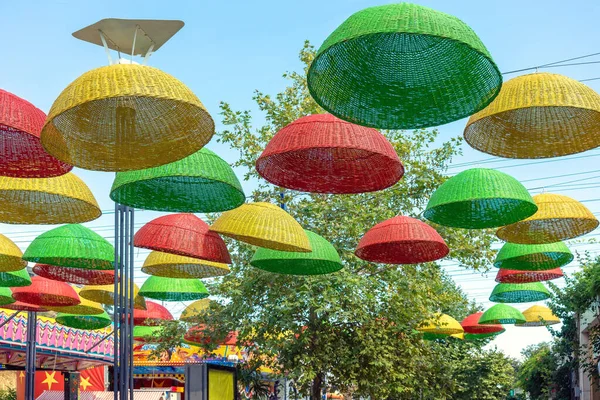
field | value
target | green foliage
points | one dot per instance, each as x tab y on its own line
536	375
8	394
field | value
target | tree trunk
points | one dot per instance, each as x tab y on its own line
317	386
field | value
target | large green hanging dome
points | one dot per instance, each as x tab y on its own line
519	292
323	259
480	198
72	245
173	289
533	257
403	66
200	183
86	322
501	314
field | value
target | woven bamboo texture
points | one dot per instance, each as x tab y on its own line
174	266
442	324
402	66
200	183
171	289
196	336
72	245
86	307
6	296
79	276
15	278
401	240
537	116
323	259
558	218
105	294
147	334
184	235
539	316
480	198
481	336
152	315
323	154
519	292
125	117
263	225
58	200
10	256
501	314
46	293
85	322
191	312
471	325
515	276
533	257
21	306
22	153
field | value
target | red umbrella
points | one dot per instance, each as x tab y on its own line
152	315
182	234
20	306
46	292
471	325
79	276
515	276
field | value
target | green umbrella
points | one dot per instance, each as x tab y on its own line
477	336
173	289
15	278
147	333
323	259
480	198
87	322
533	257
200	183
519	292
6	296
501	314
72	245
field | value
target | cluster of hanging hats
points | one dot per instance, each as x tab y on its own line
200	183
401	66
323	259
537	115
480	198
323	154
401	240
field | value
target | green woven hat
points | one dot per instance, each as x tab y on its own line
478	336
87	322
402	66
323	259
501	314
533	257
172	289
480	198
200	183
519	292
15	278
146	333
6	296
72	245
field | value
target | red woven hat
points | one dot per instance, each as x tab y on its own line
471	325
45	292
20	306
323	154
22	153
401	240
79	276
183	234
514	276
152	315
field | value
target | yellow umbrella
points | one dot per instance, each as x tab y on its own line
105	294
539	316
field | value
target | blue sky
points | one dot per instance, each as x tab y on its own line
230	48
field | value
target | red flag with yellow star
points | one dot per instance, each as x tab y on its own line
91	380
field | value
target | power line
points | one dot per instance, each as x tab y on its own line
550	64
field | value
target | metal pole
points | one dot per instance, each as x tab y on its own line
131	299
116	310
123	321
30	355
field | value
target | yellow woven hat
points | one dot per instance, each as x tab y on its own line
105	294
539	316
10	256
86	307
558	218
125	117
538	115
174	266
193	310
64	199
263	225
442	324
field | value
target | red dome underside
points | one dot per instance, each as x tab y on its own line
46	293
20	306
79	276
323	154
185	235
22	153
471	325
514	276
152	315
401	240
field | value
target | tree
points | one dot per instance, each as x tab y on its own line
536	375
353	330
